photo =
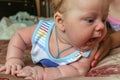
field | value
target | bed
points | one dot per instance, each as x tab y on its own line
108	67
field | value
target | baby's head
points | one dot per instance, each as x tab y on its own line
61	5
81	23
57	5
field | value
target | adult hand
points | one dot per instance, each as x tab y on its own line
102	51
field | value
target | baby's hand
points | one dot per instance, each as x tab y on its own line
12	65
32	73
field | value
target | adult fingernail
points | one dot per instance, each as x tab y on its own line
96	57
94	64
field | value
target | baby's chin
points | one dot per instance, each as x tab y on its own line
89	44
85	48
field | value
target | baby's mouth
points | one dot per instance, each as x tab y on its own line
95	37
91	41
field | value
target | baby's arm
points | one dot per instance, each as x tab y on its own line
19	41
16	48
78	68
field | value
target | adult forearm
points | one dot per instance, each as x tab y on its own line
115	38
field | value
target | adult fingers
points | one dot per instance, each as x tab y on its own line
97	55
105	47
100	54
93	64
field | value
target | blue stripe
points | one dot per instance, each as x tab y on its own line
40	45
45	24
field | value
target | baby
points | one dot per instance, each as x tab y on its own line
63	46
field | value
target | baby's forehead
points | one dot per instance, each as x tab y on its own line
86	4
73	3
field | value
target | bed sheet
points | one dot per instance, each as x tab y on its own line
110	66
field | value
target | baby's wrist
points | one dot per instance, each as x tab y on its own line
7	59
15	58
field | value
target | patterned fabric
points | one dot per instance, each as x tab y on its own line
114	23
106	67
40	47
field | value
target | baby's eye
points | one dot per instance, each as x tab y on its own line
90	20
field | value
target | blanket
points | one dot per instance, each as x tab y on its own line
9	25
109	66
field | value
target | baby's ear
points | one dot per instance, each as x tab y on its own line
59	21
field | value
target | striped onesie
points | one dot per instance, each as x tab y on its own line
40	52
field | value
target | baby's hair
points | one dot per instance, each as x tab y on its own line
56	5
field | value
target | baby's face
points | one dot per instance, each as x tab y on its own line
85	22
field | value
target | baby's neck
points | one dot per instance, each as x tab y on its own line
59	45
62	37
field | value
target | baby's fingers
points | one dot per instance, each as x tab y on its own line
13	69
19	67
2	68
25	72
29	78
22	73
32	77
8	70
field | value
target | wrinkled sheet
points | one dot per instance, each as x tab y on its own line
109	66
